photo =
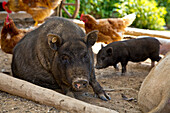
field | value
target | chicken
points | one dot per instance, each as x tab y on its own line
11	35
110	29
39	9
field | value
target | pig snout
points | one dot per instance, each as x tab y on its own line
80	84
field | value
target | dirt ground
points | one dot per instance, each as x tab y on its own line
115	84
123	90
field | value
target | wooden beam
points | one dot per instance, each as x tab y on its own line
13	15
45	96
152	33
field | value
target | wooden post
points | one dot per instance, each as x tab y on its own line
45	96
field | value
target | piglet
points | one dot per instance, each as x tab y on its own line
135	50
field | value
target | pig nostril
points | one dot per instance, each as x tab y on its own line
84	84
80	84
77	86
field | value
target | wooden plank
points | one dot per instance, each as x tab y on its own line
152	33
13	15
45	96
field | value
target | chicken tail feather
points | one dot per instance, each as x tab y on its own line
129	19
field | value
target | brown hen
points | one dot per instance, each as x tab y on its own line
11	35
110	29
39	9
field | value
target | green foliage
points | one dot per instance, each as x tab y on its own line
165	3
69	8
148	14
98	8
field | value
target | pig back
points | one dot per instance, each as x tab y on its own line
142	48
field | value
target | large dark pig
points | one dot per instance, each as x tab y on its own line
58	54
134	50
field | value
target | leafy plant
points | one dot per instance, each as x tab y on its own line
69	8
98	8
148	14
165	3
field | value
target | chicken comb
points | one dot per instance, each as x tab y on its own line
81	16
5	8
3	4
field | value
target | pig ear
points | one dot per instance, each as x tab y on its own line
109	51
54	41
102	46
91	38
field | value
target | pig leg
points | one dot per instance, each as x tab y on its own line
97	88
124	63
154	57
152	64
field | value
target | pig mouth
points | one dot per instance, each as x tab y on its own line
99	66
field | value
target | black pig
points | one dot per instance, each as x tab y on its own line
58	54
134	50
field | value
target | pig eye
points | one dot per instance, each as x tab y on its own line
85	56
102	58
65	58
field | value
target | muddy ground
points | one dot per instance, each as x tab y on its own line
116	85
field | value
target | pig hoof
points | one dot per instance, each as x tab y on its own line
104	97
